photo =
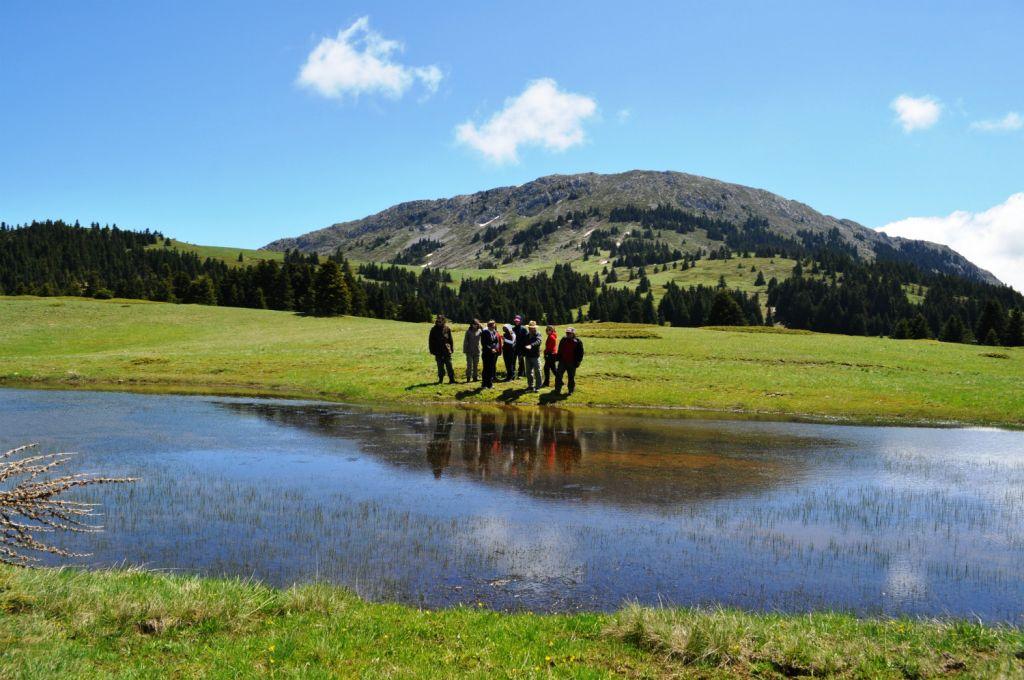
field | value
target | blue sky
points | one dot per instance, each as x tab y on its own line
192	118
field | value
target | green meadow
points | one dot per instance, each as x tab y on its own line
225	254
105	624
147	346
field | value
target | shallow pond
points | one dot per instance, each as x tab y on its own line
547	510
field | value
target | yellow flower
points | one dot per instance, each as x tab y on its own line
271	648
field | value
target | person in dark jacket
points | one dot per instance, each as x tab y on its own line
531	353
441	345
490	350
550	354
570	356
519	331
510	351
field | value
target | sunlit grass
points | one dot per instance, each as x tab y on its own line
119	344
225	254
63	623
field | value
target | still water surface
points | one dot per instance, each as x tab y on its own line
547	510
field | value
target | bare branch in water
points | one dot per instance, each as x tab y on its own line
30	503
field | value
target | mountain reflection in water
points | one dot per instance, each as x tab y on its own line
546	453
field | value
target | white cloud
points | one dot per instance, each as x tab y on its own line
541	116
993	239
916	113
624	115
360	60
1008	123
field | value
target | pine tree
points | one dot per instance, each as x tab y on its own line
993	318
725	311
953	330
901	331
331	295
414	308
992	339
201	291
919	328
1014	336
240	258
357	304
721	282
760	279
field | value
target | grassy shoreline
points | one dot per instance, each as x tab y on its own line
131	623
128	345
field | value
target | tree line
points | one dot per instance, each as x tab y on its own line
830	292
53	258
843	295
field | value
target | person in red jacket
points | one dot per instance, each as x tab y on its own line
570	356
550	355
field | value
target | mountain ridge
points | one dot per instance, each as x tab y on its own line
450	228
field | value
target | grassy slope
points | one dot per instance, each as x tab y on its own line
73	342
225	253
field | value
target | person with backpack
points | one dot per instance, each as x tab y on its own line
441	345
550	354
471	348
531	356
490	350
570	356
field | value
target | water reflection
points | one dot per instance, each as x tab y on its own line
547	453
548	510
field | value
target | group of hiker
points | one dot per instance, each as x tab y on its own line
520	345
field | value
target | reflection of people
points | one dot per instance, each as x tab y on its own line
490	444
531	353
570	356
567	444
547	437
441	345
490	346
470	440
471	348
509	351
550	355
439	449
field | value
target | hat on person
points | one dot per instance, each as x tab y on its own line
517	318
532	324
570	329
